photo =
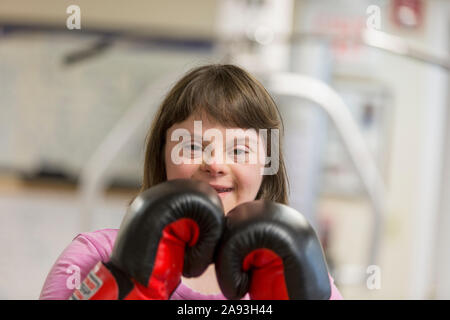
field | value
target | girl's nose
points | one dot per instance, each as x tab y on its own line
213	163
214	170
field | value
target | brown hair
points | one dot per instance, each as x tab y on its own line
230	96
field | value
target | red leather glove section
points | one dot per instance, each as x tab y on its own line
267	275
170	258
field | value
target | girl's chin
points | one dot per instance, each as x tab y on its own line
225	198
223	195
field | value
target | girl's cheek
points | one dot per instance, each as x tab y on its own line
178	171
249	180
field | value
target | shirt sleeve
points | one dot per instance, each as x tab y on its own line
75	262
335	294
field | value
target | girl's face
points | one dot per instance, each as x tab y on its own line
211	160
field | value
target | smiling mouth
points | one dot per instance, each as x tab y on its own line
222	190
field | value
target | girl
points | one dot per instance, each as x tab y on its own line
211	98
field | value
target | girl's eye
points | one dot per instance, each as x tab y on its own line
191	150
193	147
240	155
238	152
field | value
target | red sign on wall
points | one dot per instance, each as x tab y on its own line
408	13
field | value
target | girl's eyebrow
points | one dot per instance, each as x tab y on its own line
244	139
196	137
239	139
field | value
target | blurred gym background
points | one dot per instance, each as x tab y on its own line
362	87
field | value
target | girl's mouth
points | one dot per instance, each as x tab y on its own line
222	191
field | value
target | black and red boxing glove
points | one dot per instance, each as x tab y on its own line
270	251
169	230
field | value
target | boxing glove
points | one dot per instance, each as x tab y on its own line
270	251
170	230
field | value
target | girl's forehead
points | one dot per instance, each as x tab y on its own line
199	128
204	121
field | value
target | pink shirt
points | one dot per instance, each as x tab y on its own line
83	254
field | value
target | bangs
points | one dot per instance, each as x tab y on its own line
232	99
